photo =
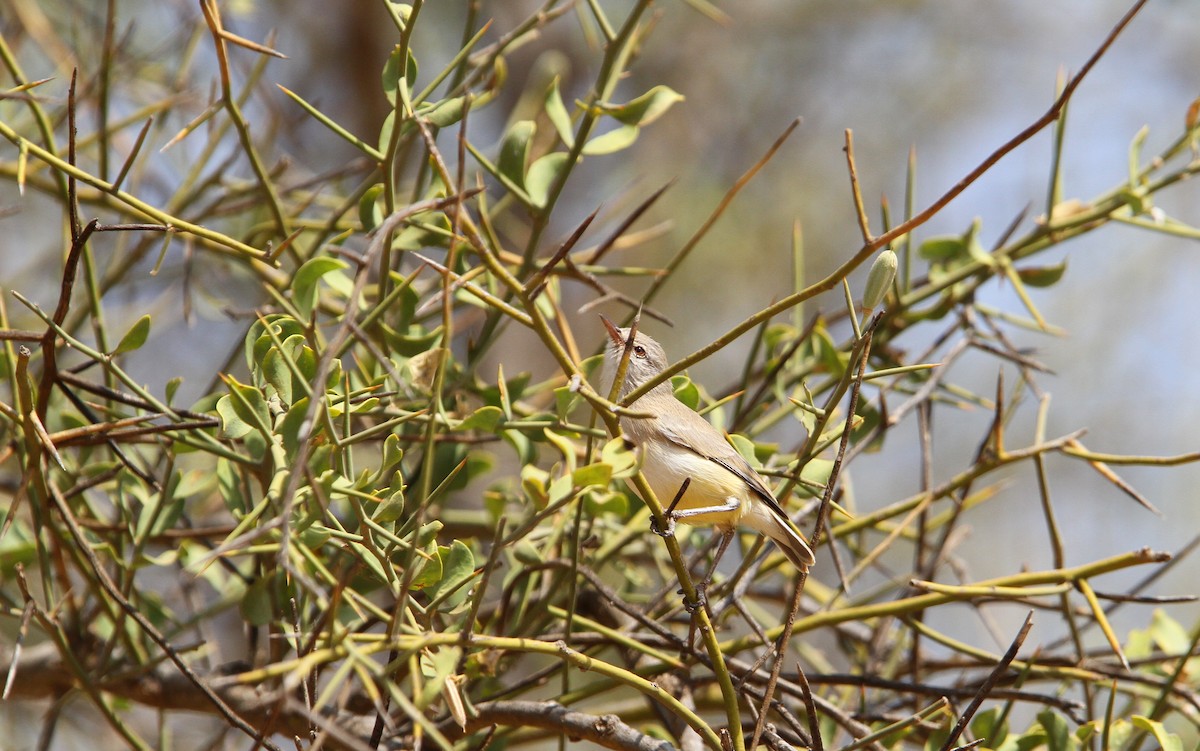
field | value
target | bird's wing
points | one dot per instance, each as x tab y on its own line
702	438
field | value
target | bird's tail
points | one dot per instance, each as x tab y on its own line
786	536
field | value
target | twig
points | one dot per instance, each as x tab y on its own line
863	223
987	686
810	710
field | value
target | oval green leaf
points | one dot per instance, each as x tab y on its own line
646	108
446	112
556	111
391	73
135	337
514	151
542	175
613	141
369	211
304	283
1042	276
942	248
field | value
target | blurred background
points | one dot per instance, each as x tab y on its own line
951	80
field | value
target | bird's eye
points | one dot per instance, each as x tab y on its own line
639	350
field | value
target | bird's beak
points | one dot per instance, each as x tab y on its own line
613	332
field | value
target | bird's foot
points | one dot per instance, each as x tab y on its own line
667	530
691	606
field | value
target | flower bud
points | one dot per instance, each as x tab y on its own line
879	279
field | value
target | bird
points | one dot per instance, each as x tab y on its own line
686	461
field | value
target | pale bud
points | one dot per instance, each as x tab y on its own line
879	279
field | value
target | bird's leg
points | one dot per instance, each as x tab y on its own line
731	504
702	587
726	538
670	514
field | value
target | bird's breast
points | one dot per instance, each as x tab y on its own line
666	466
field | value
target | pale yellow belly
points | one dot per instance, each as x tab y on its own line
711	484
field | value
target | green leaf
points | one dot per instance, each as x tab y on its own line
173	387
564	444
1042	276
521	443
313	535
975	249
391	73
611	142
565	400
485	418
1058	731
686	391
337	406
816	471
561	488
1119	733
385	132
446	112
372	563
391	509
231	423
645	109
592	474
1166	741
1170	636
542	175
393	452
514	151
987	725
458	566
302	356
156	514
258	341
533	483
369	211
411	345
764	450
275	372
596	503
432	229
937	737
942	248
246	405
1135	156
514	387
526	552
428	533
744	446
229	484
556	111
135	337
430	573
304	283
256	602
835	360
288	428
617	454
439	663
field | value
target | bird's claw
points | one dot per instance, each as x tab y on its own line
663	532
691	606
